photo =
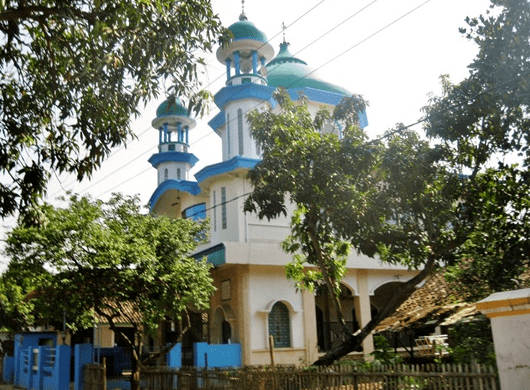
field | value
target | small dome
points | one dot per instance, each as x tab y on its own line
246	30
171	106
287	71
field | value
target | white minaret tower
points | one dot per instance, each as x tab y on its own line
246	87
173	161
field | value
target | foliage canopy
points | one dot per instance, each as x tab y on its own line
94	258
73	73
454	200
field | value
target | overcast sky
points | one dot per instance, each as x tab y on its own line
391	52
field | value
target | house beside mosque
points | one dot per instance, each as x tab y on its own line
254	299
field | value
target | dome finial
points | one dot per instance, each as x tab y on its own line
283	28
243	16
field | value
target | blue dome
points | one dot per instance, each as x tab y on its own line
171	106
246	30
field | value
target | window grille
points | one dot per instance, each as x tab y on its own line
214	212
223	207
280	325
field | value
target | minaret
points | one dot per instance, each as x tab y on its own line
173	160
246	87
246	55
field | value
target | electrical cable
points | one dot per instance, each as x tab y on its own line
209	84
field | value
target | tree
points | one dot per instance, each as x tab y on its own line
483	125
73	73
409	201
95	257
389	198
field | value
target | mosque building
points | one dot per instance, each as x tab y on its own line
254	299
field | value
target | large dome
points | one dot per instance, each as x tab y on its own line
290	72
246	30
171	106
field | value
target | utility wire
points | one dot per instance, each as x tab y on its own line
328	62
207	135
305	47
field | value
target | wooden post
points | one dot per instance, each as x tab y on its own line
104	373
271	349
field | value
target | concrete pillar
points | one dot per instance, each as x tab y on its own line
362	306
509	313
244	314
310	326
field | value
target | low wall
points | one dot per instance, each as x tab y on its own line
217	355
8	369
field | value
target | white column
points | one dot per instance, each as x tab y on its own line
310	326
362	306
509	313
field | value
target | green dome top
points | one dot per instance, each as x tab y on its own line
171	106
246	30
290	72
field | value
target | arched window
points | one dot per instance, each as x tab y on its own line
166	174
280	325
178	173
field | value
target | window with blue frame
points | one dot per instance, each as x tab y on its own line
280	325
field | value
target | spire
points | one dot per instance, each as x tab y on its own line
283	28
243	16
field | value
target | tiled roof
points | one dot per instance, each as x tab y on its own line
127	313
435	303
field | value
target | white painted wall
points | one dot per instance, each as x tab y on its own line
509	313
269	285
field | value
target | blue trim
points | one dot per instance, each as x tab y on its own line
181	185
217	121
225	166
316	95
196	212
243	91
215	255
173	156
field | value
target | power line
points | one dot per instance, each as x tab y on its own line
207	135
334	58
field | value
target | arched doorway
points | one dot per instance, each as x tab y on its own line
328	328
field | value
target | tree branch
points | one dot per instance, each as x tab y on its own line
354	341
37	12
